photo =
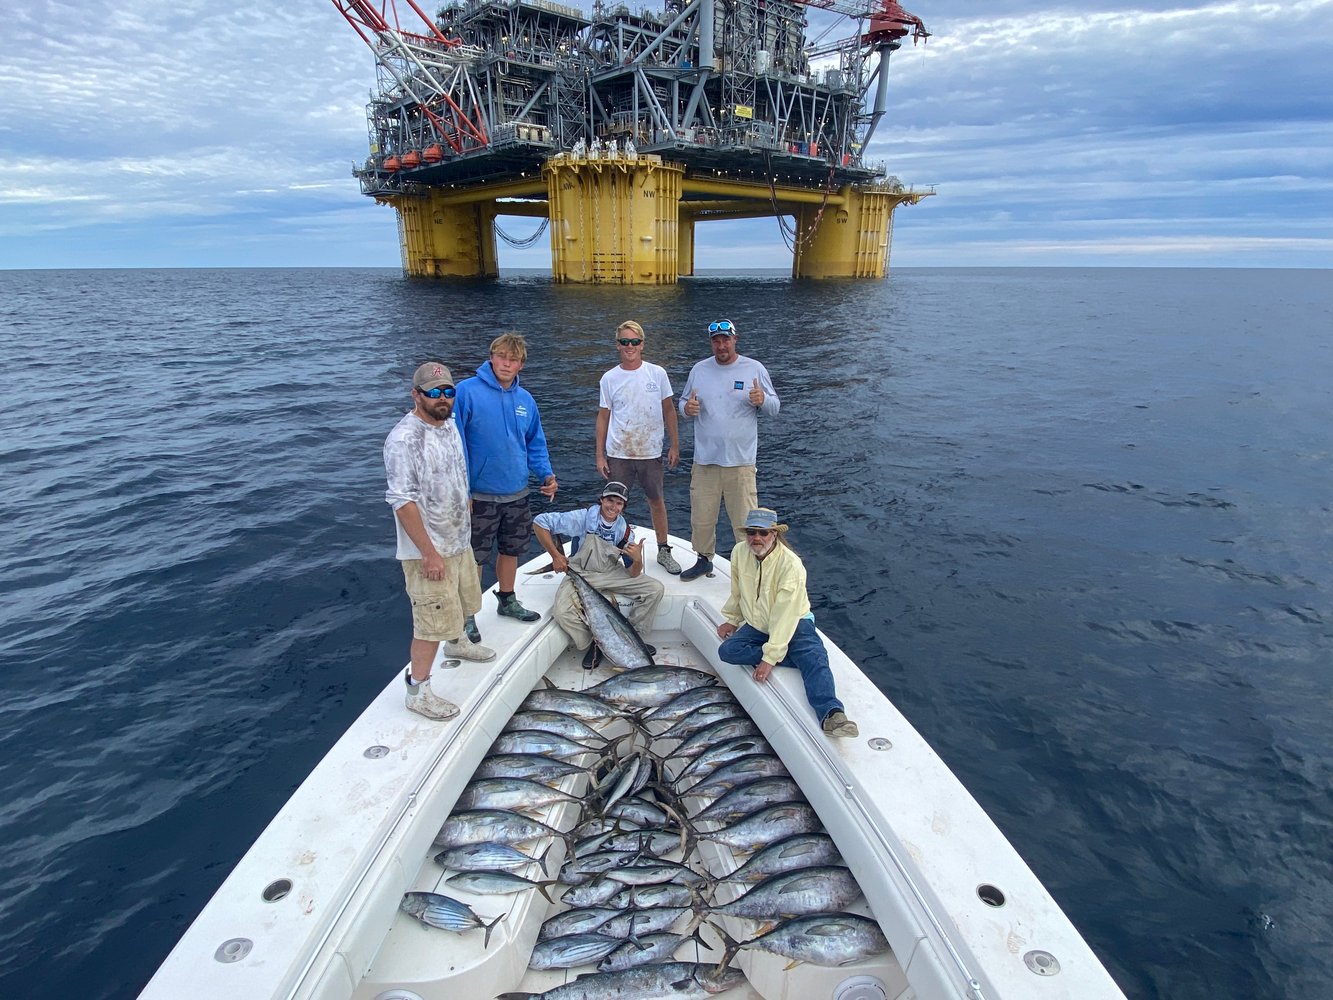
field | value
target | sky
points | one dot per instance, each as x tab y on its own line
194	133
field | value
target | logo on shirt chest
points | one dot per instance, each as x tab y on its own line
738	385
522	411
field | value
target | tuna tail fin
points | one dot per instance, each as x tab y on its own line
536	572
543	886
541	859
730	946
490	927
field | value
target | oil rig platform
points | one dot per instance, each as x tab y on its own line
622	129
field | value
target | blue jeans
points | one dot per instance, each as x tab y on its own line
805	652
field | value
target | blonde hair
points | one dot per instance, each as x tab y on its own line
510	344
630	324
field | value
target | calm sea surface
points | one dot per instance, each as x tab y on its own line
1075	523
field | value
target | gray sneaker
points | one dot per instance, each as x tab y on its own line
465	650
422	700
666	560
837	724
470	629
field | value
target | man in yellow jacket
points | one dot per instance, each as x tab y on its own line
768	620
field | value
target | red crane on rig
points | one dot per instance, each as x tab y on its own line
411	58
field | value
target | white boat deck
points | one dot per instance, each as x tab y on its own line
357	834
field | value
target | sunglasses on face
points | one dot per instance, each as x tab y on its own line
629	341
722	326
761	532
447	391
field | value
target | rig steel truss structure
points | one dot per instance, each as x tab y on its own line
492	91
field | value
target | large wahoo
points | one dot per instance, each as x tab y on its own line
610	629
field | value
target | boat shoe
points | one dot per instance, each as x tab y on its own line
511	608
837	724
470	629
465	650
422	700
666	560
702	565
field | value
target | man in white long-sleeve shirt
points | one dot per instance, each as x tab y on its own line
724	396
428	490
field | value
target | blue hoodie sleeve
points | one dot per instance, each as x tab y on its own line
539	461
461	415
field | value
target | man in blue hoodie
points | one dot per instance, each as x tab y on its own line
503	438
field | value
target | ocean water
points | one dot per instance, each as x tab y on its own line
1076	523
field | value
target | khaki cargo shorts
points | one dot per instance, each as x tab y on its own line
439	606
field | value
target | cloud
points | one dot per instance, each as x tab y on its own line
1164	132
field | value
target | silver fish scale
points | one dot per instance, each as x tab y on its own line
700	718
483	857
437	910
804	850
743	770
643	950
764	826
571	951
479	826
746	799
795	894
650	686
632	923
553	722
532	766
710	760
583	707
689	701
825	939
580	921
510	793
710	736
610	629
535	741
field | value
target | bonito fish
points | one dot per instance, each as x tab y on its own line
611	630
436	910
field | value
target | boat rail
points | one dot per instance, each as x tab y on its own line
819	748
515	655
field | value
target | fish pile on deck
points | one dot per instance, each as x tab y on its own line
681	763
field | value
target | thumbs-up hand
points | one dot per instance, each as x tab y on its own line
692	405
756	394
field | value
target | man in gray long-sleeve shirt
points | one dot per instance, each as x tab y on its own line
724	396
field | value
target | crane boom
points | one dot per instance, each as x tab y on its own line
888	21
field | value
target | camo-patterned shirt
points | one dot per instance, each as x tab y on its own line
424	465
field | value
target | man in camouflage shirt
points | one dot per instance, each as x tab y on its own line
428	490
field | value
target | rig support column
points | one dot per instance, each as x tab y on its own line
614	220
850	240
685	246
441	239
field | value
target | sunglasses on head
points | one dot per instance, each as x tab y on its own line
761	532
722	326
447	391
629	341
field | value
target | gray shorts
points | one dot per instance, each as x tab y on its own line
647	472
